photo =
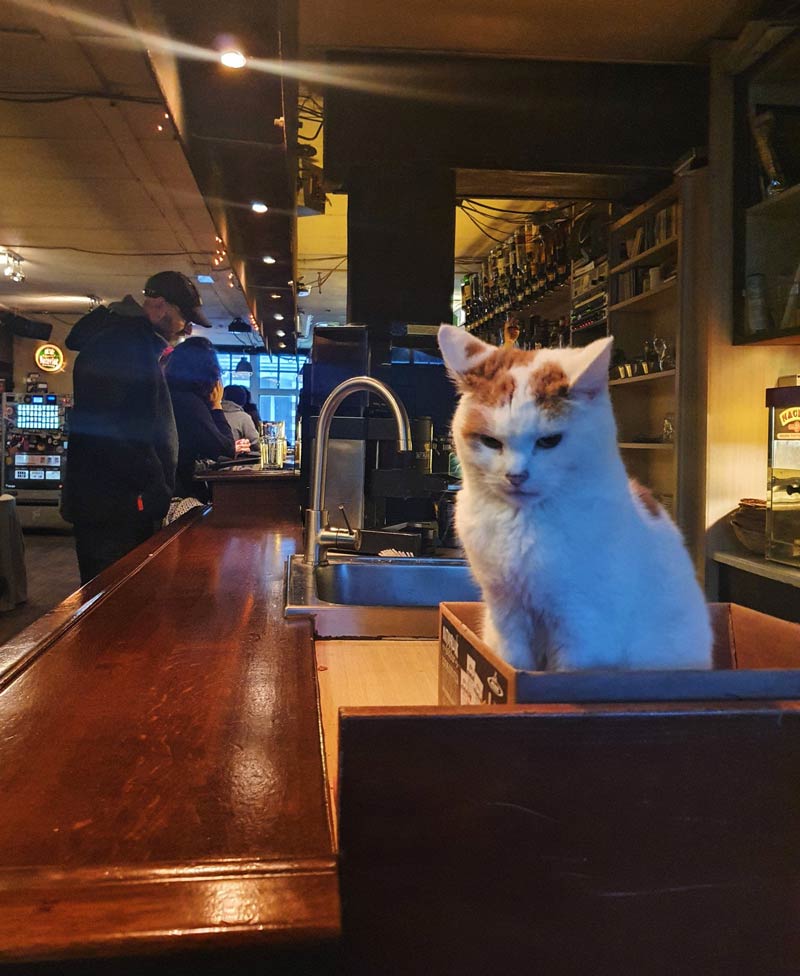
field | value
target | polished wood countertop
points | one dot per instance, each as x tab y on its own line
161	775
251	473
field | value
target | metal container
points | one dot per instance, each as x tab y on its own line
272	444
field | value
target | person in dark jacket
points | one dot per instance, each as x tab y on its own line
195	385
123	446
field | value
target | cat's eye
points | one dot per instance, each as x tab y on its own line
550	441
491	442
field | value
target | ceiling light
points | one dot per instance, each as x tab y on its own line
205	279
278	317
281	345
258	207
243	366
274	295
302	289
268	259
233	59
13	262
280	333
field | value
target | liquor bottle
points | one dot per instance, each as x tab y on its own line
477	295
530	259
542	267
520	263
466	297
561	253
550	264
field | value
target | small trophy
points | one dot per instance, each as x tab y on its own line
663	359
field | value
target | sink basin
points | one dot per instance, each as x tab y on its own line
373	596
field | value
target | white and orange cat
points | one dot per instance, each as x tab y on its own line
579	567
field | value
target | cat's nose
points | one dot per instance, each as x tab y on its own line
518	479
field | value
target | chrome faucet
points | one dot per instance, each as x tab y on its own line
318	533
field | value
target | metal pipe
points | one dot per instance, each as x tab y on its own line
316	517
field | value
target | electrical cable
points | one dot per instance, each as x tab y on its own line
112	254
516	220
526	213
44	97
497	240
311	138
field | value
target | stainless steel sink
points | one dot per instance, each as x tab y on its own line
375	596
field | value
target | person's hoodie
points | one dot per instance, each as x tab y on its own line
240	423
123	446
93	323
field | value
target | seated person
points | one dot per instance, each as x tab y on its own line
241	423
250	408
193	377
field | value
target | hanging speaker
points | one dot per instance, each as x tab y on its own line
26	328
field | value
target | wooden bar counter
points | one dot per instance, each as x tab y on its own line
161	774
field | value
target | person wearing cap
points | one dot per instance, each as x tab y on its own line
123	446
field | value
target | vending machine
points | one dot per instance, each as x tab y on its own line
35	430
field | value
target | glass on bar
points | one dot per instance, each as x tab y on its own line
272	444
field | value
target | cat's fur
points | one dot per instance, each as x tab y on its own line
579	567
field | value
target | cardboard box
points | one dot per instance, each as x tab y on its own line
755	657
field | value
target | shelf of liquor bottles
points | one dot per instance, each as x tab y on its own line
526	276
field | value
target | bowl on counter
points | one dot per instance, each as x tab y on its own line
749	524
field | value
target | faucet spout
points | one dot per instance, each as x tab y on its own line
318	535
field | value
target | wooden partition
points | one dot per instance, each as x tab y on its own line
571	840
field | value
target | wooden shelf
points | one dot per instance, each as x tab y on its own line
651	297
644	378
636	446
660	200
554	304
785	204
645	255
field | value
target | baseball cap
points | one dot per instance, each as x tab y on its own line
178	290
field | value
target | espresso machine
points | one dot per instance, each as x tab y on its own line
783	475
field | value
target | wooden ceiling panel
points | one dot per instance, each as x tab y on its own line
593	30
70	120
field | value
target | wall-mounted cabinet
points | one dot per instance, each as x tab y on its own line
767	198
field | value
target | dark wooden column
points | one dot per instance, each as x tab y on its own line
401	248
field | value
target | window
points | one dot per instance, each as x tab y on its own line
274	384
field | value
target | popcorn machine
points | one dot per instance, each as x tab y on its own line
783	475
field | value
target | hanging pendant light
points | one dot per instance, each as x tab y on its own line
243	366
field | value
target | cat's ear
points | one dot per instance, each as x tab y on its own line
591	373
461	351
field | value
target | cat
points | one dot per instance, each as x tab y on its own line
579	567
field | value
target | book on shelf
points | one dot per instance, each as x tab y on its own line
629	284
